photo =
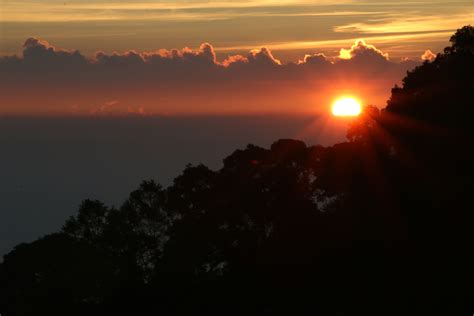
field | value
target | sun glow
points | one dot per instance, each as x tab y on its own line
346	107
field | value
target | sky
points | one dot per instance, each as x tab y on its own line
404	28
212	57
97	95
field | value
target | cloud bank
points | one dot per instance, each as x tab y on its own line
48	80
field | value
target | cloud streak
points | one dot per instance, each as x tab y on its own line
409	23
235	26
58	11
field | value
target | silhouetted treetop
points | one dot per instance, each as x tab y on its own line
439	93
463	40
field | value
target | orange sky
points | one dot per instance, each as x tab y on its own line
403	28
137	70
47	80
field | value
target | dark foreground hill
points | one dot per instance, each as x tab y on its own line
379	225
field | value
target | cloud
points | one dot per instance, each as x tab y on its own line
235	59
412	22
315	59
81	11
127	59
262	56
37	53
114	108
428	55
361	50
46	79
104	109
403	28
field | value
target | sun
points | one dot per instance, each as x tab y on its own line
346	106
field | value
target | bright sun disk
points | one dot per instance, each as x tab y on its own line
346	107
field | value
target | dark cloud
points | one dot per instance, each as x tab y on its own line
53	80
315	59
127	59
262	56
38	54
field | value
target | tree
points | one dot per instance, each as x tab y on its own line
134	234
462	40
56	275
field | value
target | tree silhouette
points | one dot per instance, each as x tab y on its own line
132	235
462	41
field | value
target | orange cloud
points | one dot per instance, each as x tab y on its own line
428	55
234	59
360	48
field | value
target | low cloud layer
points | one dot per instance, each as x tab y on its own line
48	80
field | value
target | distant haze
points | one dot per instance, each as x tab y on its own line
49	165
